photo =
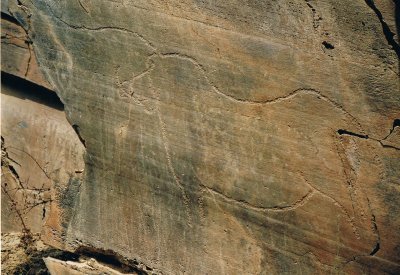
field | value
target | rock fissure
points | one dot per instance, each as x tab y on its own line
83	6
115	260
389	35
396	123
34	159
14	208
78	133
31	261
200	134
5	161
375	229
27	41
201	67
29	60
364	136
376	249
21	209
8	17
25	9
349	133
13	44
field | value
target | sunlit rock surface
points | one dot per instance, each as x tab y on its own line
228	137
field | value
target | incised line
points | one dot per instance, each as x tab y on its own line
232	98
244	204
336	203
164	138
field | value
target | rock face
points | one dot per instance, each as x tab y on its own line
223	137
84	267
42	158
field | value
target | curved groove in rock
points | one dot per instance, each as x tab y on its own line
126	86
244	204
337	204
204	71
100	28
293	94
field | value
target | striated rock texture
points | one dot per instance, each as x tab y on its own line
224	137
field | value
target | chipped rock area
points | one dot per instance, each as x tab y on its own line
40	156
204	137
41	160
23	253
20	254
83	267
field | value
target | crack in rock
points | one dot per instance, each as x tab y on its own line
396	123
389	35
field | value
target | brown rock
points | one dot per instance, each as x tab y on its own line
84	267
17	56
22	254
41	154
256	137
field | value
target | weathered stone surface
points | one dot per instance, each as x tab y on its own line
17	57
16	259
84	267
42	156
256	137
23	253
42	161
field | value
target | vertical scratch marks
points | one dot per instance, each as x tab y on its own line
166	145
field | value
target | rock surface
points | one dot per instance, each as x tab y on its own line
15	257
224	137
17	57
84	267
23	254
41	155
42	158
